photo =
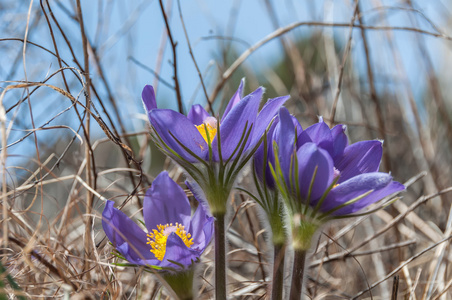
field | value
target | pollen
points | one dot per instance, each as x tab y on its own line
208	128
158	237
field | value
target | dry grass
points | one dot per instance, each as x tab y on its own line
71	139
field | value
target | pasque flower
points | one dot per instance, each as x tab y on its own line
210	149
213	150
173	237
199	136
320	177
316	168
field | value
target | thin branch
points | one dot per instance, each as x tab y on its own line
283	30
403	264
88	151
194	60
373	95
344	61
173	46
166	83
388	226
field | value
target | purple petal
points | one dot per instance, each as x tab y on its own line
165	121
165	202
199	195
340	140
381	184
285	132
233	126
265	116
148	98
303	138
310	157
197	114
259	157
201	229
358	158
177	251
208	230
126	236
320	134
234	100
298	128
259	160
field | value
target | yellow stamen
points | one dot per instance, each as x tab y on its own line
158	237
208	127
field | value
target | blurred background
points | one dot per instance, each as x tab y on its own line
74	132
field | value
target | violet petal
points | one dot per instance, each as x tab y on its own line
310	157
285	132
238	95
148	98
233	125
126	236
320	134
165	202
259	157
165	121
381	184
340	140
177	251
197	114
199	222
267	113
358	158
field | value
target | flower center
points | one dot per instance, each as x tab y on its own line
208	129
158	237
336	173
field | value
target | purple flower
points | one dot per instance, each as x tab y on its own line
318	168
172	233
194	137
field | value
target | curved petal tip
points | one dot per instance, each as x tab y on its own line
148	98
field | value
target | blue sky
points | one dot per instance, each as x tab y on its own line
134	29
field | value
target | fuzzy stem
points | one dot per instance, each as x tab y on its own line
278	272
220	257
296	288
181	283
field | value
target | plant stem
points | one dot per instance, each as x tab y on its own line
278	272
296	288
181	283
220	257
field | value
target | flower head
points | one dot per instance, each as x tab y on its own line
212	150
199	136
173	237
317	169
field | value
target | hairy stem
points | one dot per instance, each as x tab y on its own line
278	272
296	288
181	283
220	257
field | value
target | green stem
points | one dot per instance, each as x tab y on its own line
181	283
220	257
296	288
278	272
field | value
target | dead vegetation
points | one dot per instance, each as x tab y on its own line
73	134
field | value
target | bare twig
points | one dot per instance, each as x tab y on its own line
174	63
88	152
344	61
194	60
374	96
396	270
283	30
